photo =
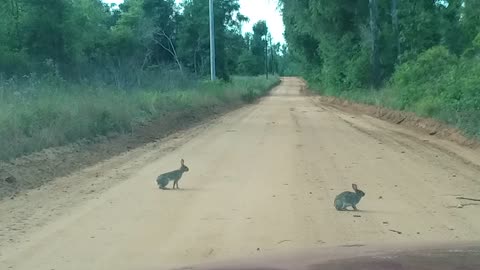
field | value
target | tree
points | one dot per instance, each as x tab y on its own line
396	36
194	35
471	19
373	6
259	46
47	36
159	23
339	42
88	40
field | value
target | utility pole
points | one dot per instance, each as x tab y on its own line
212	43
266	56
273	65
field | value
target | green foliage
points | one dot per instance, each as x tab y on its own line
87	40
442	86
437	84
428	54
193	34
13	63
251	90
334	39
72	70
412	77
247	63
258	47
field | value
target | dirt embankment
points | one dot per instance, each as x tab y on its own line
426	125
33	171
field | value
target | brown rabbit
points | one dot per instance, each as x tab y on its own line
164	179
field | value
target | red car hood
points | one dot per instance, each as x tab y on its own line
434	256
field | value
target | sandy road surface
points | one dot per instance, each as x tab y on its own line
262	179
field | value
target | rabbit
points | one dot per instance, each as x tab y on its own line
164	179
348	198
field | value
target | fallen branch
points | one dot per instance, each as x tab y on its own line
401	121
170	48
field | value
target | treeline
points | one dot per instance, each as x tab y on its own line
88	40
423	55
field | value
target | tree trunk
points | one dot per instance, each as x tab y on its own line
195	63
15	11
272	61
195	57
373	6
396	32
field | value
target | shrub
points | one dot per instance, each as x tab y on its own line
422	76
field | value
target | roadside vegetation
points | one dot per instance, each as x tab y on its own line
41	114
76	70
417	56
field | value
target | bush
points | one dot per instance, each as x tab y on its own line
422	77
249	96
440	85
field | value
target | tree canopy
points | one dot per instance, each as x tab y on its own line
359	43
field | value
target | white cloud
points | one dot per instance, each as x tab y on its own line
113	1
256	10
263	10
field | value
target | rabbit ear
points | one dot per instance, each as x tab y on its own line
354	186
182	162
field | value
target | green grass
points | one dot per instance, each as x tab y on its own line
39	114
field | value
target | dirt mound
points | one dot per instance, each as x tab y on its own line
426	125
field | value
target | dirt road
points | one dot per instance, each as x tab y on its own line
262	179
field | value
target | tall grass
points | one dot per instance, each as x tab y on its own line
39	113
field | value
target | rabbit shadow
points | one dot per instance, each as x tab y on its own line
181	189
361	211
189	189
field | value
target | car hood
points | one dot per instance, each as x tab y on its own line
438	256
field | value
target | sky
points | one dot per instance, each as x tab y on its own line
255	10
